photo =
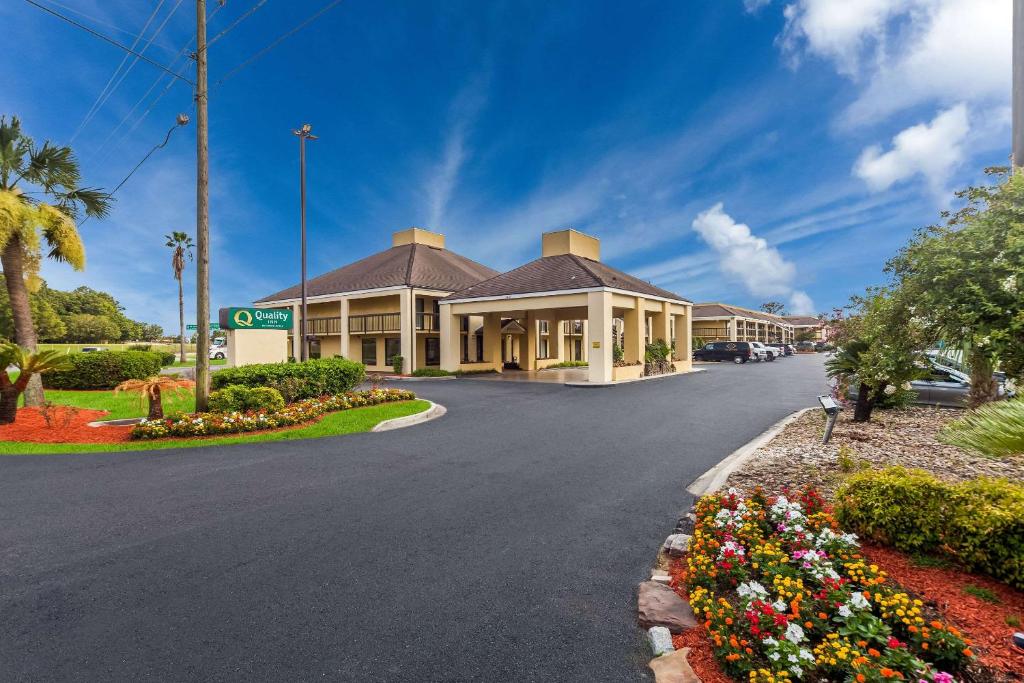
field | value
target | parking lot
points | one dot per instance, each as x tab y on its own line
502	542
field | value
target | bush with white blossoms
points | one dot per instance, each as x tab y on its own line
205	424
785	595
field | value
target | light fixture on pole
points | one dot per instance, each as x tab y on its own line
303	134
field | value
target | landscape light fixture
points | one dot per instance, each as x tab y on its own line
304	133
831	408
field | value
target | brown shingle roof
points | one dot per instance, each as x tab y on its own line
803	320
717	310
410	265
557	273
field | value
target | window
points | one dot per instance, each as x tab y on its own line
314	348
392	348
543	326
369	350
433	347
479	347
465	348
543	350
464	323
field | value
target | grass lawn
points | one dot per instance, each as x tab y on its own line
157	346
192	363
120	406
334	424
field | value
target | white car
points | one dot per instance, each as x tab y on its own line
218	352
766	353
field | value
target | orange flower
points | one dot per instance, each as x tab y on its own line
749	651
886	672
873	652
822	615
967	652
809	624
862	643
924	646
728	620
936	624
860	678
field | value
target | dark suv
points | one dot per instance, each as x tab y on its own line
737	352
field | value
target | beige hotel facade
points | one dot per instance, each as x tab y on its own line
436	308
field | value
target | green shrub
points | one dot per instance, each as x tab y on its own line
979	522
397	363
103	369
140	347
296	381
899	507
243	398
656	351
167	358
994	429
430	372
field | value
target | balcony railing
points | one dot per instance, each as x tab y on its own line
428	322
374	323
711	332
323	325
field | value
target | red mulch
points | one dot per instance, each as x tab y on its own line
983	622
67	426
701	656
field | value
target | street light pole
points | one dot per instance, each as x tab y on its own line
202	216
1018	84
303	134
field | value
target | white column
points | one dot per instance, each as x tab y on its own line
407	314
450	338
343	349
599	317
634	332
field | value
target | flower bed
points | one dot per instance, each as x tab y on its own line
204	424
786	596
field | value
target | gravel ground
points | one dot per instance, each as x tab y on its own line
893	437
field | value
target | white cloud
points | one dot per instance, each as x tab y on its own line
754	5
907	52
748	258
932	150
800	304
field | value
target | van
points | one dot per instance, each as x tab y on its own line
737	352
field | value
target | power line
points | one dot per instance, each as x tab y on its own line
117	78
245	15
109	40
323	10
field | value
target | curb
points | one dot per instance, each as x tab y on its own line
435	411
402	378
603	385
716	476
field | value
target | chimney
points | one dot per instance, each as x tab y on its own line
570	242
417	236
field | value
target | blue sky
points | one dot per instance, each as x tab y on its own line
731	150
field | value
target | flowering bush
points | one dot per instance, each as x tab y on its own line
786	596
203	424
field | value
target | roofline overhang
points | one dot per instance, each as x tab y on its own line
329	297
560	292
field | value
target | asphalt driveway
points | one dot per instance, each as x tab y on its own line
502	542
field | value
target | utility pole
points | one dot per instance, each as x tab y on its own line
304	134
1018	84
202	216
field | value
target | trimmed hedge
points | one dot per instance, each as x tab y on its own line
430	372
103	369
296	381
235	397
980	522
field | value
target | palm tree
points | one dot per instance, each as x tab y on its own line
153	389
40	197
30	365
182	245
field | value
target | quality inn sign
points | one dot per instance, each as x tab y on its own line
255	319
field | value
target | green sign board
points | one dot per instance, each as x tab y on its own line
213	327
255	319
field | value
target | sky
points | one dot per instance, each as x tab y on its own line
727	150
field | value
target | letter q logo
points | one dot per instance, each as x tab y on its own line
243	318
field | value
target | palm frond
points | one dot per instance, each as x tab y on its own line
14	146
94	201
62	237
995	429
52	167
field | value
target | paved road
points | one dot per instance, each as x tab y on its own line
502	542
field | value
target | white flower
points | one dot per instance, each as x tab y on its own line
806	654
797	671
890	389
770	642
793	659
794	633
858	600
751	590
779	606
845	612
774	656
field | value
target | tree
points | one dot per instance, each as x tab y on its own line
878	348
49	326
967	281
30	174
151	332
153	388
29	365
181	245
774	307
90	329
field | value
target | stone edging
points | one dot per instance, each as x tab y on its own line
435	411
716	476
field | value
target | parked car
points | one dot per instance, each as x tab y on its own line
944	387
784	349
218	352
737	352
805	346
93	349
765	352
